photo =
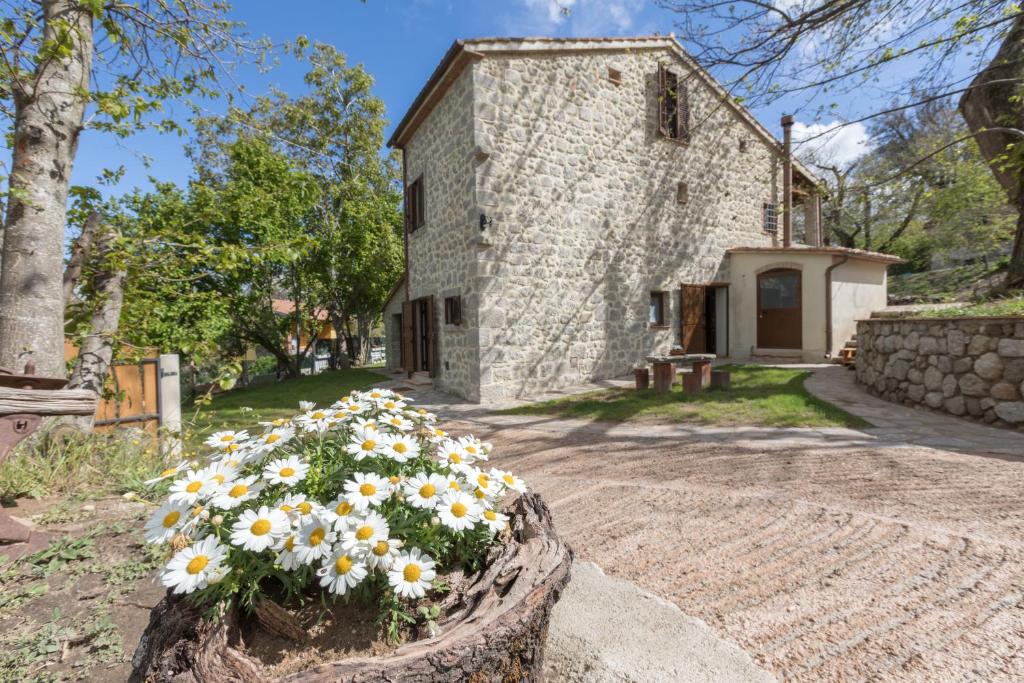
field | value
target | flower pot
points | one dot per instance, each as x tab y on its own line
492	630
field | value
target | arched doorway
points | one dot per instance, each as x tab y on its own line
779	309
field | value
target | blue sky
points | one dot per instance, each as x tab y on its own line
398	41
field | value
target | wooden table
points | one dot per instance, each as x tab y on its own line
664	373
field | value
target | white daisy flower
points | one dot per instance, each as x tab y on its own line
473	448
233	493
165	522
315	539
399	447
367	489
194	487
364	443
259	530
382	554
396	422
508	480
278	422
422	415
495	521
222	440
297	507
315	420
364	533
425	490
391	404
340	572
306	406
275	438
352	408
223	471
366	424
411	574
341	511
166	474
193	568
484	487
451	453
437	434
288	471
286	555
458	511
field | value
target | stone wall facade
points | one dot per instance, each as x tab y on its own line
969	367
583	195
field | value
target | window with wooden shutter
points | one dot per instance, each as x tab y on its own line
673	106
656	315
415	214
453	310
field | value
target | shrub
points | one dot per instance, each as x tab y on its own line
367	498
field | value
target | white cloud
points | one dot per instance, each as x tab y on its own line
842	145
579	17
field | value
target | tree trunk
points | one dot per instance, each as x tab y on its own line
97	348
80	254
363	322
492	630
339	354
48	119
994	101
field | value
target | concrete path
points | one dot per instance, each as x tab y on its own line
893	423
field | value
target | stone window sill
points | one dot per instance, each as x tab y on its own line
652	326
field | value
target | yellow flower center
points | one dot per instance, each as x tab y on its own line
289	545
219	478
368	445
279	421
381	548
171	518
353	408
260	527
286	472
483	480
427	491
458	510
318	415
400	447
367	489
489	514
364	533
271	438
375	394
197	510
394	479
316	537
194	486
390	405
339	415
232	447
169	471
471	449
238	490
509	479
197	564
227	437
411	573
286	508
343	564
396	421
343	509
454	485
455	458
305	507
479	493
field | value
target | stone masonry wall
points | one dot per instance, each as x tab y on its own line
583	194
970	367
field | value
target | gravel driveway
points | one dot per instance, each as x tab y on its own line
825	561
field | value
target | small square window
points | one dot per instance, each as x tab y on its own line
656	316
682	193
769	218
452	310
415	212
615	76
743	144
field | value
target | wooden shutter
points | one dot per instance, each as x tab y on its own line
408	341
692	325
662	102
431	336
683	110
421	216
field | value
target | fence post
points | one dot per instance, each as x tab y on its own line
170	402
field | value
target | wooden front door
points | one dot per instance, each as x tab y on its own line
779	309
692	320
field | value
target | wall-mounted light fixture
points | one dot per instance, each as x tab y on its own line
485	222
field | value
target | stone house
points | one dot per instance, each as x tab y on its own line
574	205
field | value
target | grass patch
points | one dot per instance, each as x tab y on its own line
244	408
1009	306
80	466
760	396
959	283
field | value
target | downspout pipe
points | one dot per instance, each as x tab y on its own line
828	303
787	180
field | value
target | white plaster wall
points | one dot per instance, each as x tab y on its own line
858	289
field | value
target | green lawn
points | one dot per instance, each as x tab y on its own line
1012	305
761	396
243	408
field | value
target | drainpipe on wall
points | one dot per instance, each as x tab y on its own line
828	304
787	180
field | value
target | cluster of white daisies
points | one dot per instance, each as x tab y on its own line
335	493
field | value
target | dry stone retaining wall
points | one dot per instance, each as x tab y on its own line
969	367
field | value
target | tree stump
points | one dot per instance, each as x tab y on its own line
492	630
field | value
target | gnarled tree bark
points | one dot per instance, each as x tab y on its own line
494	630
